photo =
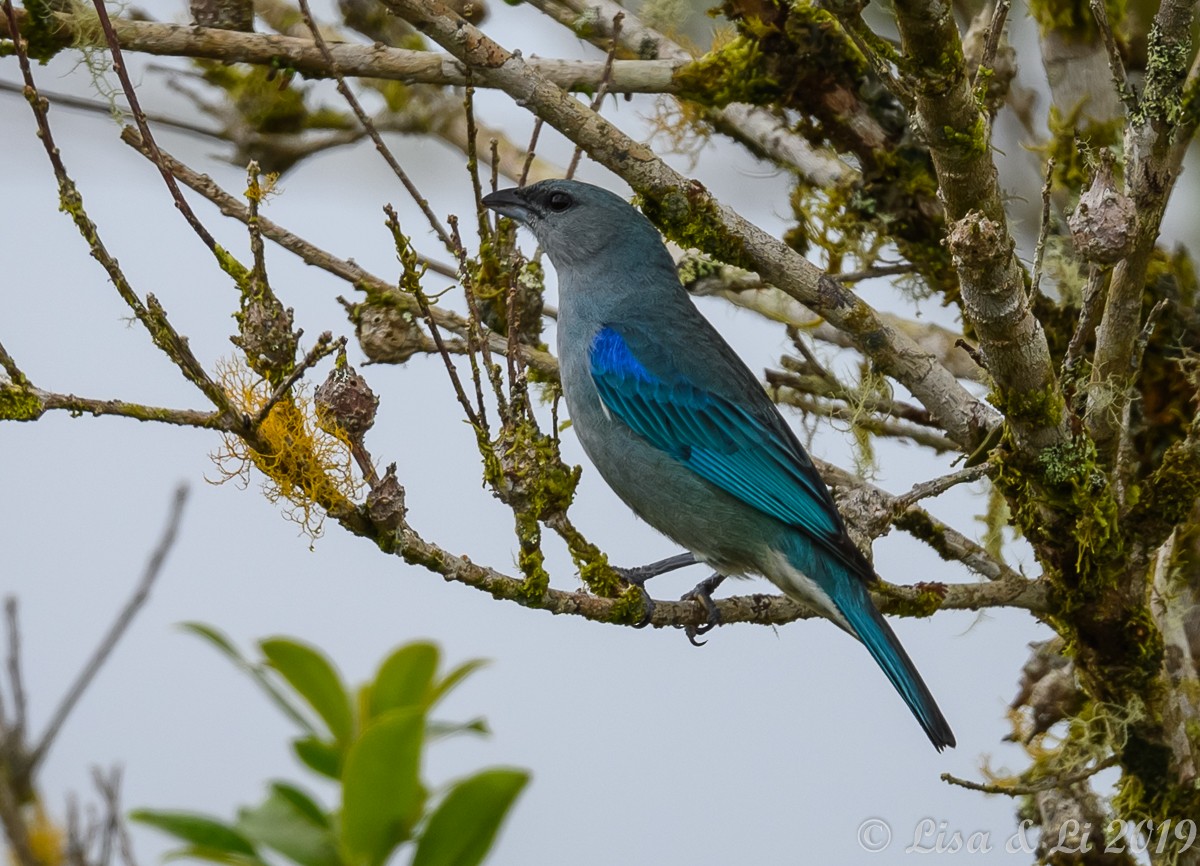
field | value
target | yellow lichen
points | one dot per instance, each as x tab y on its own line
309	468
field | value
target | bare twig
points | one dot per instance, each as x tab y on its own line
115	631
938	486
344	269
992	43
605	83
1115	64
369	126
1093	301
1019	789
139	117
1139	346
10	367
1043	229
13	823
17	727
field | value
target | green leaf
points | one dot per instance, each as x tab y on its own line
200	830
442	730
278	823
382	796
318	755
212	855
405	678
464	826
222	643
316	679
455	677
302	801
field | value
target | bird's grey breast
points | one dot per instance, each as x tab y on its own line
656	486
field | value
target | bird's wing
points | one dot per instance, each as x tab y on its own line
726	444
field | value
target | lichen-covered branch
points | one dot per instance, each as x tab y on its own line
354	60
957	131
1151	169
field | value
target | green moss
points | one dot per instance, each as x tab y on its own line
42	32
735	72
1073	142
530	559
900	601
970	142
1173	490
260	96
19	404
692	220
1034	408
1073	19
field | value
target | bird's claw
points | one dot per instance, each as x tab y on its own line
702	594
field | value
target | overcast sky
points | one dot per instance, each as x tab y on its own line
766	745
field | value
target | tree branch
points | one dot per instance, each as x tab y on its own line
689	214
957	131
352	59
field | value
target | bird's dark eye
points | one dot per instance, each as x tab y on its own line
559	201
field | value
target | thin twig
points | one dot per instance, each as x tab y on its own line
530	150
938	486
1139	347
369	126
139	117
1116	66
116	630
1020	790
10	367
110	791
992	42
324	347
1043	229
602	89
20	716
1089	315
873	273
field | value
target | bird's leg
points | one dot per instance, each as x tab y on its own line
642	573
703	595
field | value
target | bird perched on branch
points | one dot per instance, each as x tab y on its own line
682	430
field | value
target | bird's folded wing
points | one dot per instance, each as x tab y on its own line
719	440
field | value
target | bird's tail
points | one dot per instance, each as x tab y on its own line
852	601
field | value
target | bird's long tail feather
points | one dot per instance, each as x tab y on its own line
850	598
872	629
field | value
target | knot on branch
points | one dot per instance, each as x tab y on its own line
1102	225
979	245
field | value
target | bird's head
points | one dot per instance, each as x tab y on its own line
579	224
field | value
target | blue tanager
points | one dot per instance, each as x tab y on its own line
682	430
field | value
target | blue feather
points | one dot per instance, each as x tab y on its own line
720	441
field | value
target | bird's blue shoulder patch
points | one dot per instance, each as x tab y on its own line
610	355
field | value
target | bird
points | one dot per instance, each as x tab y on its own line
683	432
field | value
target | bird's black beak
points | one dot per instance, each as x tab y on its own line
510	203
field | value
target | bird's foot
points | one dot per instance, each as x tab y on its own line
647	609
642	573
702	594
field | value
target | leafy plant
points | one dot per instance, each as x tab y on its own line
370	742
